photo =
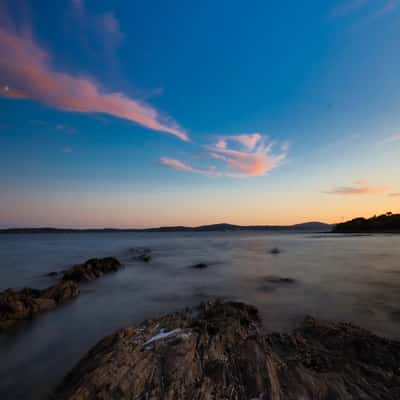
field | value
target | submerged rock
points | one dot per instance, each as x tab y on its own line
275	251
144	257
51	274
141	253
92	269
219	351
24	304
279	279
199	266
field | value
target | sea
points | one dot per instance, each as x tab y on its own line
351	278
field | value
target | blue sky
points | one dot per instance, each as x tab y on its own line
162	113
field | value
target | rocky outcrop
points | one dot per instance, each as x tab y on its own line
91	269
24	304
218	351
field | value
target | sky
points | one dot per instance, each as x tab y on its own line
150	113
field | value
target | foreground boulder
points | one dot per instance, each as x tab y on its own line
218	351
24	304
91	269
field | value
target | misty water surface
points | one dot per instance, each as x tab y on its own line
349	278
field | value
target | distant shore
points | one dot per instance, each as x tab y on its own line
385	223
304	227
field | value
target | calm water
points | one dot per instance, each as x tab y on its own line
341	278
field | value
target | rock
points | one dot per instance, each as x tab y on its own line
51	274
140	250
219	351
24	304
275	251
141	254
91	269
199	266
62	292
144	257
278	279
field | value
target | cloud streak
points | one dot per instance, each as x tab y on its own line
357	188
389	7
254	157
377	8
180	166
66	149
26	73
348	7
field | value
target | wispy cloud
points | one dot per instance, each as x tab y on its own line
394	194
66	149
348	7
387	8
67	129
26	73
358	188
375	9
248	141
254	157
79	6
110	26
180	166
392	139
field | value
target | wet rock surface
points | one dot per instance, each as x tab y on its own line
92	269
24	304
219	351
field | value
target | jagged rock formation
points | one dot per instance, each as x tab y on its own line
91	269
24	304
218	351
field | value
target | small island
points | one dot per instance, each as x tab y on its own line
385	223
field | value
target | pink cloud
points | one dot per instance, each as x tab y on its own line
357	188
248	141
26	73
221	144
180	166
256	159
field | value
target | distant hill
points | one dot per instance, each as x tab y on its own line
304	227
385	223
